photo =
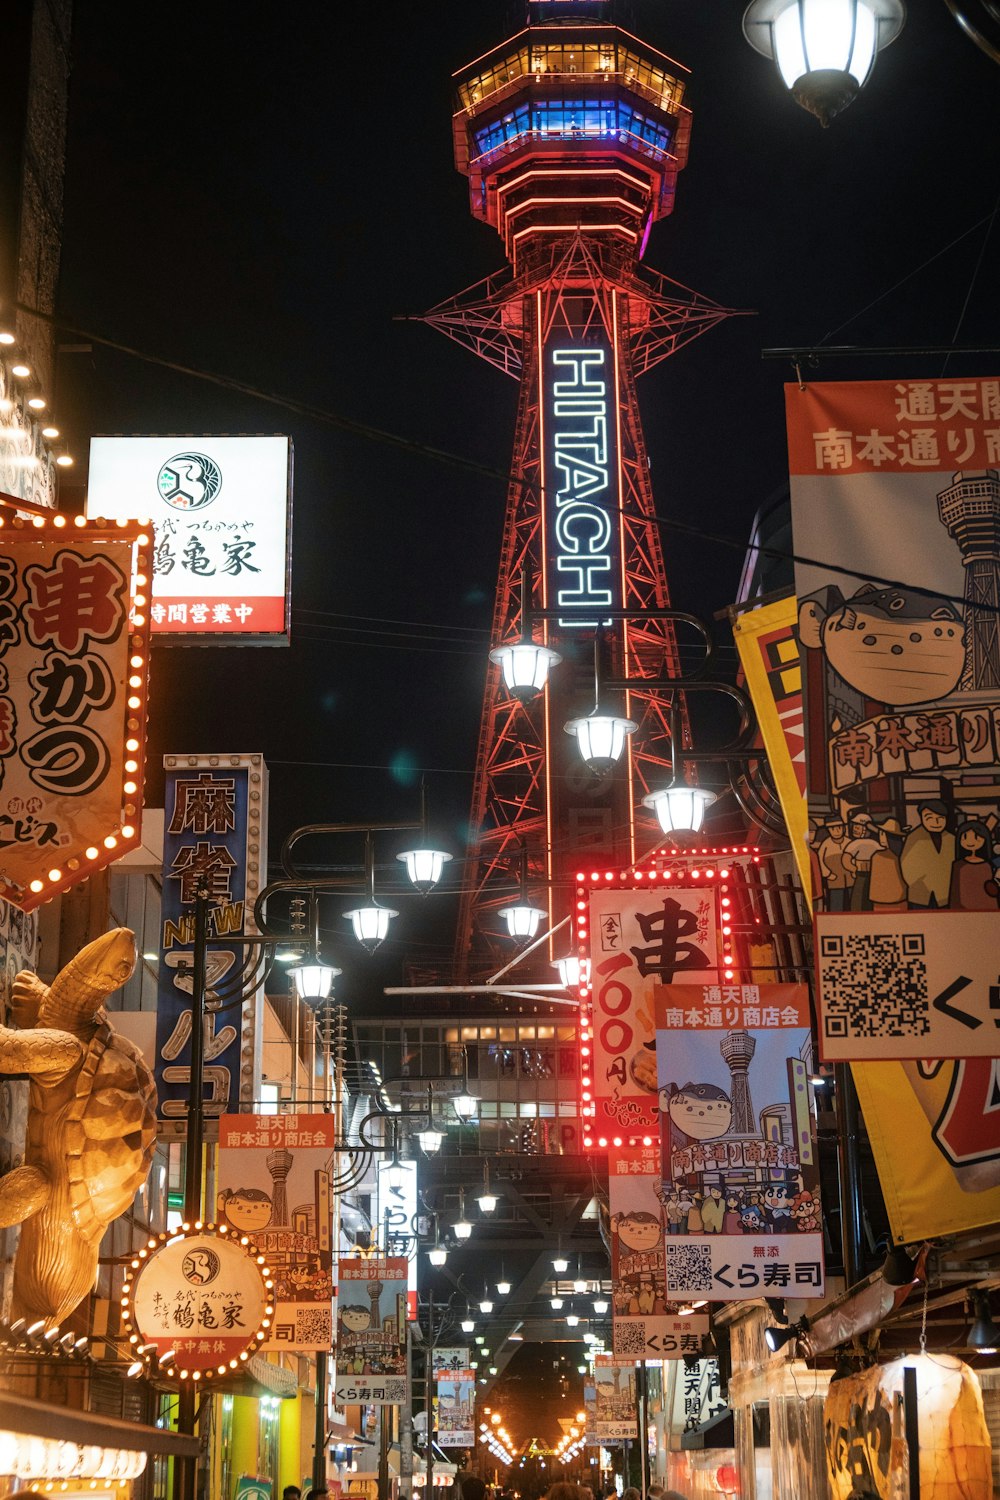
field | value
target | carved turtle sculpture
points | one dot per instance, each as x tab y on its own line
91	1125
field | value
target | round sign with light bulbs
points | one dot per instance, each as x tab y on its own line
198	1301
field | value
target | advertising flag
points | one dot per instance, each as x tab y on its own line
214	836
274	1178
371	1331
456	1411
896	500
645	1323
640	938
615	1416
738	1146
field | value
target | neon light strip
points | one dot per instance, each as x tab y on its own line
621	555
630	234
544	550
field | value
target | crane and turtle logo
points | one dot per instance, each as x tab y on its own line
189	481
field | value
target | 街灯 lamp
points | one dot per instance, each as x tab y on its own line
522	918
437	1254
824	50
424	867
600	738
313	982
462	1228
572	970
680	808
487	1200
525	667
429	1141
371	924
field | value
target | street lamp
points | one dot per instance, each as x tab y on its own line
680	808
462	1228
600	735
487	1200
424	864
522	918
313	982
430	1141
525	665
824	49
572	970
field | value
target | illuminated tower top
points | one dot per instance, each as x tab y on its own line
571	125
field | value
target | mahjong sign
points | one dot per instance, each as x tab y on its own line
220	508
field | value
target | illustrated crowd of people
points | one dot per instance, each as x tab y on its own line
938	863
774	1208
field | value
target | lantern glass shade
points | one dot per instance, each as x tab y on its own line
468	1324
572	970
600	1306
525	667
461	1229
371	924
487	1203
486	1306
424	867
680	808
601	739
437	1255
571	1320
560	1264
522	920
555	1303
503	1288
429	1141
313	981
466	1106
822	44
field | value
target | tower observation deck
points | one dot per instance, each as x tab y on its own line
571	134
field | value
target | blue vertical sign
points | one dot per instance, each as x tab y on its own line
213	822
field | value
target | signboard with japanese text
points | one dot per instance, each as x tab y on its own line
767	642
397	1214
452	1362
456	1412
371	1331
221	509
698	1395
74	654
615	1414
640	938
214	835
645	1324
942	991
902	680
273	1184
738	1147
202	1300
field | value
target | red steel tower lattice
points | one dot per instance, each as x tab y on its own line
571	134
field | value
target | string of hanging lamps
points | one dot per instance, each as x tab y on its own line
19	365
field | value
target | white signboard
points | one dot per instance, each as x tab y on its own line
908	984
220	509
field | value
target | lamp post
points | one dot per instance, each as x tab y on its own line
824	50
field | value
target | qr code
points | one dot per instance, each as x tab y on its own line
629	1338
313	1327
689	1269
874	985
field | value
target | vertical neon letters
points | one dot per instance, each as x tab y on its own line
582	466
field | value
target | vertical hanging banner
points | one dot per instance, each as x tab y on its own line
74	654
768	645
274	1175
640	937
615	1415
221	510
214	834
740	1168
456	1411
645	1323
371	1331
902	679
397	1214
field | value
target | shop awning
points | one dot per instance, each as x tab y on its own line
30	1418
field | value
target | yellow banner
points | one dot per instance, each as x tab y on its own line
768	645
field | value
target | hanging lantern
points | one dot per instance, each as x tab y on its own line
424	867
525	667
371	924
824	49
601	739
680	808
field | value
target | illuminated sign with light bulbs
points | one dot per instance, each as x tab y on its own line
581	479
74	654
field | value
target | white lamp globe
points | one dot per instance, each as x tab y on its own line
560	1264
680	808
522	921
462	1230
468	1324
313	981
466	1106
424	867
600	1306
503	1288
572	970
429	1141
371	924
824	49
601	739
487	1203
437	1255
486	1306
525	667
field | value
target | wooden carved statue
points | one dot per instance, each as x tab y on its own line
91	1125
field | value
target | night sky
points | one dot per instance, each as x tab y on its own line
258	193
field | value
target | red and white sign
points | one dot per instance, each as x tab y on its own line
202	1299
73	674
221	511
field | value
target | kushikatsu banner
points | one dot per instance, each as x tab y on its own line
371	1331
900	481
215	837
640	938
738	1147
615	1416
455	1405
274	1176
74	641
221	513
645	1323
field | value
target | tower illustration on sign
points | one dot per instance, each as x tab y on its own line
571	135
738	1048
970	508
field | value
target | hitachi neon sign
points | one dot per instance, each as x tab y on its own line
581	465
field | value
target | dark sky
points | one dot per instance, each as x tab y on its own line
257	191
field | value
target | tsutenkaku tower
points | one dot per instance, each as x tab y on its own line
571	134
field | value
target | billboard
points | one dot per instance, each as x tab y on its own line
645	1323
214	832
738	1144
456	1411
74	658
902	689
273	1184
639	937
221	512
371	1331
615	1413
397	1213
